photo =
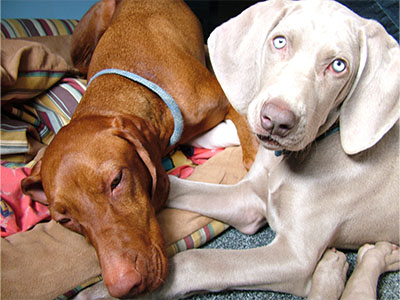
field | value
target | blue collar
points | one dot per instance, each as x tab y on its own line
333	129
167	98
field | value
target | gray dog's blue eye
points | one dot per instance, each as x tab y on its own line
339	65
279	42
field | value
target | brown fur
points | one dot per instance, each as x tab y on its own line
102	175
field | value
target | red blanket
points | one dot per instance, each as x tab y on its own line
18	212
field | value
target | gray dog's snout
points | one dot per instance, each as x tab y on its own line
277	119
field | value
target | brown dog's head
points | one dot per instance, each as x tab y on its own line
102	178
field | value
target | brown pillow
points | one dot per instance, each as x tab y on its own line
29	66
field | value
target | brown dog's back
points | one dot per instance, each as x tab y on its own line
161	41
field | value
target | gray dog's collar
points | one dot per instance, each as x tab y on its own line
333	129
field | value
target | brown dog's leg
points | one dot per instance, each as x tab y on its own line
89	31
247	139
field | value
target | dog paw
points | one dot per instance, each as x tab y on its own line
329	277
383	256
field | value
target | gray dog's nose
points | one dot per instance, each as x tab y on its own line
276	119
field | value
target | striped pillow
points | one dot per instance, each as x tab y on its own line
39	119
19	28
197	238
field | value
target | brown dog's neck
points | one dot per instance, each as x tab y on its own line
158	90
104	98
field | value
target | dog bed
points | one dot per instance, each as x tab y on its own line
40	91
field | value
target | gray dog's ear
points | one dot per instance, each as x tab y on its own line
373	105
236	47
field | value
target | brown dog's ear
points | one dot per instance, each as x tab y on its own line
140	134
374	105
32	185
89	31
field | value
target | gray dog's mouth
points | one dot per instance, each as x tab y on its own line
269	142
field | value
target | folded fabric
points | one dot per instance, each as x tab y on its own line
221	136
182	162
28	68
27	127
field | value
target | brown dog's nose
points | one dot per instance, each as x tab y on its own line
276	119
123	283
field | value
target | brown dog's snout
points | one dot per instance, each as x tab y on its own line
130	264
126	282
121	278
276	119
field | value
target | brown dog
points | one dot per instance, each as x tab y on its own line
102	175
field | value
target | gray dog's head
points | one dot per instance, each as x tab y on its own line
294	67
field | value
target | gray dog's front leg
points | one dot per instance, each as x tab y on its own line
237	205
242	205
276	267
